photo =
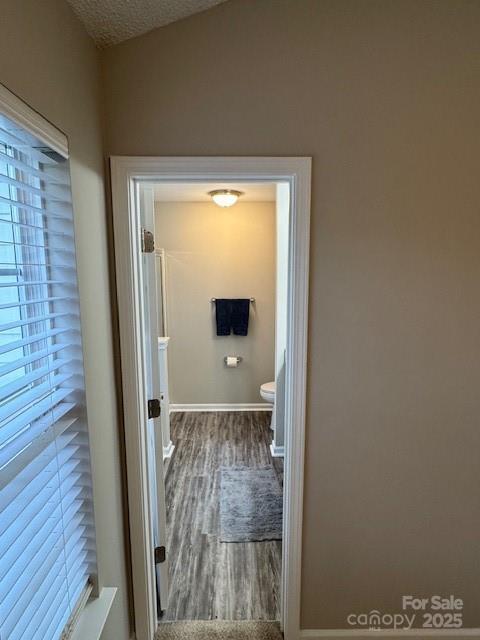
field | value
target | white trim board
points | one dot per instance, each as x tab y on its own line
260	406
17	110
390	634
126	174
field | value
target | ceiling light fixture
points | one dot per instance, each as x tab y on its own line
225	197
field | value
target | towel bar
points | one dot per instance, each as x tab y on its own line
214	299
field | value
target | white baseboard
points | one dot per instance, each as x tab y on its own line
260	406
391	634
168	450
277	452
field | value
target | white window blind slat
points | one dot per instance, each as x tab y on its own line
42	390
11	138
58	249
24	188
48	573
29	303
47	536
37	283
51	211
11	266
20	382
76	586
61	511
34	476
37	318
31	424
50	614
82	600
49	533
56	625
29	169
42	520
48	529
34	228
14	365
44	491
55	581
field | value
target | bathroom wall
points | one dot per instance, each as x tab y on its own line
219	253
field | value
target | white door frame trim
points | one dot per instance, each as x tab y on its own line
125	173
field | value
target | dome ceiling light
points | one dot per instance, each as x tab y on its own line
225	197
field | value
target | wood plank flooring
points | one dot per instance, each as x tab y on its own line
208	579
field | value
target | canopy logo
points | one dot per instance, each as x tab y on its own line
435	612
377	620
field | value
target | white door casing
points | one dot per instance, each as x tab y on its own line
126	173
153	391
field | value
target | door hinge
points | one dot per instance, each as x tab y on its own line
153	408
148	242
160	555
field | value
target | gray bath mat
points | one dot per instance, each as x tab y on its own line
251	504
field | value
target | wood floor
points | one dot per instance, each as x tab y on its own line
210	579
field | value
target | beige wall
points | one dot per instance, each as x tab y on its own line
385	95
47	59
219	253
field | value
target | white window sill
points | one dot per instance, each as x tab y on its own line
93	617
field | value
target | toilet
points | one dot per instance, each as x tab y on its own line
267	391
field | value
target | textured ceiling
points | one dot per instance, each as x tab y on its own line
112	21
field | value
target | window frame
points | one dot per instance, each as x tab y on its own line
90	619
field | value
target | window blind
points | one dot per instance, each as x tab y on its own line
47	544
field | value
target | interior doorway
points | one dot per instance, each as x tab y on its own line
221	255
132	182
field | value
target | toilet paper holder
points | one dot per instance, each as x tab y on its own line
238	358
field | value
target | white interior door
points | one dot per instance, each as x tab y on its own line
152	385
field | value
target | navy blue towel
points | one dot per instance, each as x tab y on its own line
240	314
223	316
232	315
